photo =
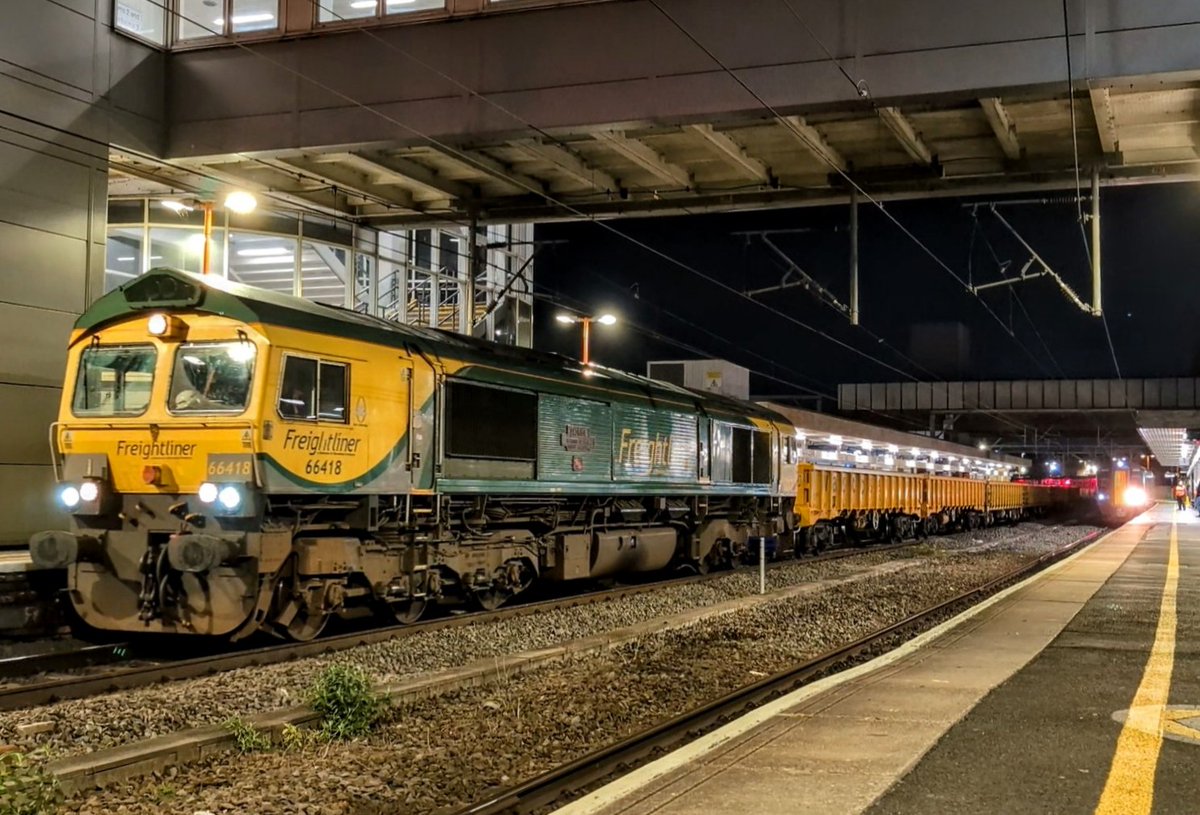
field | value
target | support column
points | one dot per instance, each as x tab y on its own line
1096	304
853	257
467	321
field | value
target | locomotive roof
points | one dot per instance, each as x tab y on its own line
164	289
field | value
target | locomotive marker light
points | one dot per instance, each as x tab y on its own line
571	319
69	496
89	491
230	498
207	492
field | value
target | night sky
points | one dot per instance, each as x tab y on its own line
1150	250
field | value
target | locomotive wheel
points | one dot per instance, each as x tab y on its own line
490	599
409	611
307	626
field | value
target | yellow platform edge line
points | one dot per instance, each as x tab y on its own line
1129	788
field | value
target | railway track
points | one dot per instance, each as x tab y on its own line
106	668
564	783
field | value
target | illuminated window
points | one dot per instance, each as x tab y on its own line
141	18
334	11
323	273
215	18
409	6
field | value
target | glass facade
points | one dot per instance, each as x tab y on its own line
217	18
417	276
145	19
207	22
336	11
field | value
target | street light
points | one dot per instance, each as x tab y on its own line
238	201
603	319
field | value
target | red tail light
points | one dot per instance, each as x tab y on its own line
151	474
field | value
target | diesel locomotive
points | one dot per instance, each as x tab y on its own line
236	460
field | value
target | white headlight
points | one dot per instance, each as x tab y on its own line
1134	496
207	492
89	491
157	324
230	497
69	496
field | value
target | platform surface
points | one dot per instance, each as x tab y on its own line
1012	710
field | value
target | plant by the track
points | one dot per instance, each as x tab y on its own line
247	737
345	699
26	788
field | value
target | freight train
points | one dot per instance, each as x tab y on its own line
236	460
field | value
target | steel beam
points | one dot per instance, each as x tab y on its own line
1097	309
1106	120
415	174
645	157
906	134
1002	126
853	257
811	140
732	152
348	180
482	163
570	163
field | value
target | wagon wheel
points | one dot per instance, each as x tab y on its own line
409	611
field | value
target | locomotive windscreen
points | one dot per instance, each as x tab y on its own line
484	422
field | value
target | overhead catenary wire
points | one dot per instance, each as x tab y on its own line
470	160
803	137
467	158
360	27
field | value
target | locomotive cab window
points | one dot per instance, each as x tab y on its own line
313	389
212	377
114	381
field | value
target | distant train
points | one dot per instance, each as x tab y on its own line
1120	493
236	460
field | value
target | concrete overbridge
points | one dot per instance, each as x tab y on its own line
1090	417
529	110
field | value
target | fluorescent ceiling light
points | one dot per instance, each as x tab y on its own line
264	251
246	19
363	4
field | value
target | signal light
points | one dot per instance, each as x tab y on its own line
152	475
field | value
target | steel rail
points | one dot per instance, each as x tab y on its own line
587	771
110	678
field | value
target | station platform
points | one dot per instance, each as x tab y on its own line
1021	705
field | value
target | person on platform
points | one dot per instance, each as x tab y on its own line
1180	494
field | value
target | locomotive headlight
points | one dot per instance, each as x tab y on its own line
69	496
230	497
157	325
207	492
1134	496
89	491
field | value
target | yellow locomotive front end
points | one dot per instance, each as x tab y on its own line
155	449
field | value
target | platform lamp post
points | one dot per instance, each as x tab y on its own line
603	319
238	201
